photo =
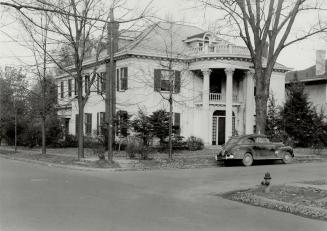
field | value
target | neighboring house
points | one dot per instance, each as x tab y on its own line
213	83
315	85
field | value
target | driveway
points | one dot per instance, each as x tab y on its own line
35	197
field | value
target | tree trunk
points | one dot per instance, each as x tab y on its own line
43	135
80	118
261	99
170	126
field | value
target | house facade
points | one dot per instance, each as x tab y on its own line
213	84
314	79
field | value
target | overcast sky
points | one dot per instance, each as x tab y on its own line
299	56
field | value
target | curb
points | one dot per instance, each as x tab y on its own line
73	167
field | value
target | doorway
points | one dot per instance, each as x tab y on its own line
218	127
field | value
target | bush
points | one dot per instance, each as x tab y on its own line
135	146
194	143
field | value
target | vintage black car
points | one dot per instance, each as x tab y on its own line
254	147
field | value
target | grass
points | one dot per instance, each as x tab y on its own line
308	201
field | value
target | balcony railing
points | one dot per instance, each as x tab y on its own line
215	98
221	50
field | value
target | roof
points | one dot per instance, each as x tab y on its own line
306	75
159	38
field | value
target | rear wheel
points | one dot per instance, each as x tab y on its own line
247	160
287	158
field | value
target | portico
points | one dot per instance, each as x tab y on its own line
230	92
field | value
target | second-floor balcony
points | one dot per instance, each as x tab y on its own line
218	99
220	50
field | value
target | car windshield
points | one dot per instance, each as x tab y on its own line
231	141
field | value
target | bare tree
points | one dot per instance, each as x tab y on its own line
73	21
39	48
265	26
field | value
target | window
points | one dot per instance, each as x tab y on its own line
87	83
88	123
122	123
162	83
69	87
122	78
62	89
101	83
100	122
165	78
261	140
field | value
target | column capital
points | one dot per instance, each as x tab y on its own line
206	71
229	71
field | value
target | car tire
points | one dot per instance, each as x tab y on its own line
247	159
287	158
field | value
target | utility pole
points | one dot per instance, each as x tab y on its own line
110	81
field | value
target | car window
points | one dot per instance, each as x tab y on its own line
247	141
262	140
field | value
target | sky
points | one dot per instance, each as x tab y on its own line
298	56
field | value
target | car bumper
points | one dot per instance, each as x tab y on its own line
225	157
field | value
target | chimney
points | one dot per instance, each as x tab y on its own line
320	62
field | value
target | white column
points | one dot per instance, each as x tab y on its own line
249	102
205	103
205	90
229	102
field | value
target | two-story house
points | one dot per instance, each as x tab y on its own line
314	79
213	83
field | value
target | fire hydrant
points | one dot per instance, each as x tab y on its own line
266	182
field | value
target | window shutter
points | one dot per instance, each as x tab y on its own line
157	79
177	123
125	79
98	123
177	87
75	86
117	81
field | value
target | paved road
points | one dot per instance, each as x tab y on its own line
34	197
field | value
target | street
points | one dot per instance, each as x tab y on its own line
35	197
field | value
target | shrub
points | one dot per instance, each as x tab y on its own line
135	146
194	143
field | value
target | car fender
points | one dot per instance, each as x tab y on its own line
286	149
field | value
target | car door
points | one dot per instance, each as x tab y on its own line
263	148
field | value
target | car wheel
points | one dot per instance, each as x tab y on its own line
287	158
247	159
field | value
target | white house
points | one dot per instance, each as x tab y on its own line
314	79
213	83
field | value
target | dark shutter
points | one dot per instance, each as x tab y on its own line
62	89
125	79
177	87
76	124
157	79
88	124
177	123
75	86
98	123
117	77
69	87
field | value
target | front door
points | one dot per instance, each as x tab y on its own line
218	130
